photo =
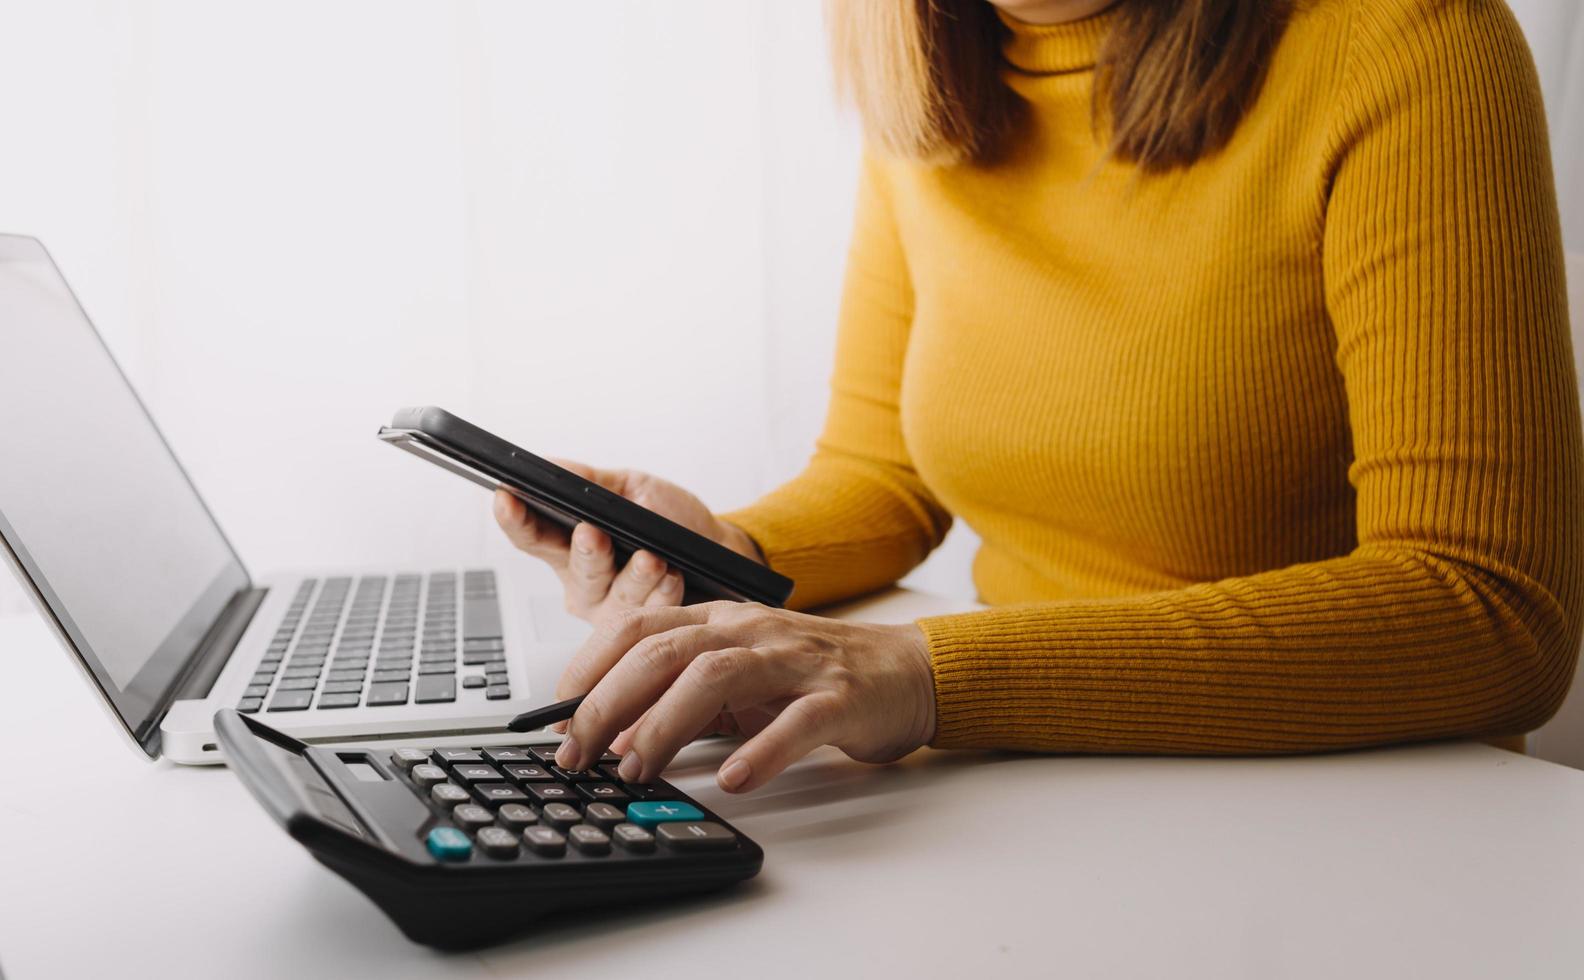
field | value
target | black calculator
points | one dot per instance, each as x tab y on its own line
462	847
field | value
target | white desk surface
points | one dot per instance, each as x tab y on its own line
1452	860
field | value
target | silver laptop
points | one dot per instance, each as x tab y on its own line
123	558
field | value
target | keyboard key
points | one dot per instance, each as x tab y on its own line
449	794
249	705
515	815
608	792
497	842
339	700
545	841
633	837
497	692
475	772
706	836
447	757
256	691
343	687
405	759
387	694
433	689
503	755
449	844
298	684
480	618
473	680
427	774
527	772
652	813
385	676
291	701
560	815
589	840
496	794
603	815
544	793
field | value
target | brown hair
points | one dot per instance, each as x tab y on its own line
1173	77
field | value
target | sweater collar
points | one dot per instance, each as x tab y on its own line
1048	49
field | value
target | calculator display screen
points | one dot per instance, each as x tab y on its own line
93	505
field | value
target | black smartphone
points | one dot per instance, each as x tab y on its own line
709	570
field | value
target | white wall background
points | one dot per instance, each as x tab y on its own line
611	231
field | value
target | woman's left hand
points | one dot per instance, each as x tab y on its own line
659	677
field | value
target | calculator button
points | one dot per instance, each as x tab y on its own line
387	694
452	756
545	753
382	676
291	701
338	700
603	815
573	775
449	794
651	813
498	842
706	836
560	815
589	840
633	837
298	683
609	792
474	680
610	759
497	692
449	844
343	687
527	772
476	772
498	793
250	705
472	816
543	793
427	775
428	667
435	688
405	759
544	841
344	675
515	815
501	755
256	691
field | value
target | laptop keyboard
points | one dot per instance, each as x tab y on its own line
383	640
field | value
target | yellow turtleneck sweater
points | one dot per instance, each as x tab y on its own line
1277	453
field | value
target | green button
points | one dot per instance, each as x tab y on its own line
651	812
449	844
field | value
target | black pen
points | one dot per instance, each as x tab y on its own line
548	715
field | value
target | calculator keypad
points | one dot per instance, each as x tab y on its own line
515	804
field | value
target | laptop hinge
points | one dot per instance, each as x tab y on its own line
215	650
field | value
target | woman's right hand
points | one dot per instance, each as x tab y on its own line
585	559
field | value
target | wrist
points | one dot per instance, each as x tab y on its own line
914	646
738	540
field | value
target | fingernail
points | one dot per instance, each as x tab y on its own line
567	754
733	774
631	767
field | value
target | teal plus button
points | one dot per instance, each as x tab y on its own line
449	844
664	811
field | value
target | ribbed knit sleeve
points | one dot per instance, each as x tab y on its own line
858	517
1458	613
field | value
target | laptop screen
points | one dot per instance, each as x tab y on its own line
93	507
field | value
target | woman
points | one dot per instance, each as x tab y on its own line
1236	330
